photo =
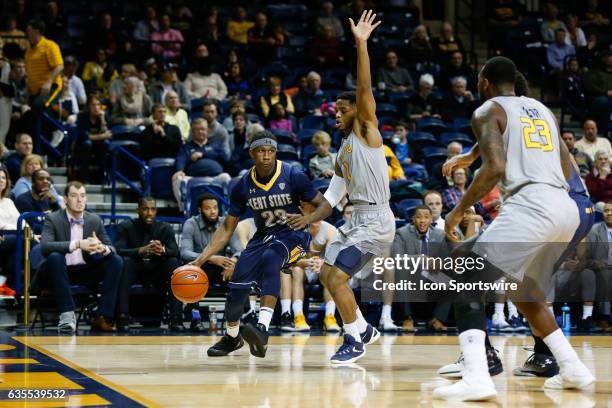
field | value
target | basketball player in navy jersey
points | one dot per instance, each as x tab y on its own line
271	190
541	363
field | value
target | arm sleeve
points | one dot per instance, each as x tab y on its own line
187	252
237	200
336	190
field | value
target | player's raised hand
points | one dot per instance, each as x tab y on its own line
456	162
365	26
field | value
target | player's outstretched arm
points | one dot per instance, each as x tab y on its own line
219	240
487	123
366	105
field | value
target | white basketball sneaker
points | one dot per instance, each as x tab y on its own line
571	376
476	389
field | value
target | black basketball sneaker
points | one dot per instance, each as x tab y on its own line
455	370
226	345
538	365
257	337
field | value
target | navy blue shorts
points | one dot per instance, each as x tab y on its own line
291	244
586	212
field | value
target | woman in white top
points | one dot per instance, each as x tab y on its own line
204	83
8	222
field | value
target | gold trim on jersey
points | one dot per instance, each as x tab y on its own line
269	184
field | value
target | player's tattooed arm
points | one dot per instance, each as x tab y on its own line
488	122
366	105
322	210
219	240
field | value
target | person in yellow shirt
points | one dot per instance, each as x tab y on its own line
238	27
44	64
100	72
395	169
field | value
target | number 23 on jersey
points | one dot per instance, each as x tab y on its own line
536	134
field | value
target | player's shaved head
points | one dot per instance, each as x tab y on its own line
521	87
349	96
499	70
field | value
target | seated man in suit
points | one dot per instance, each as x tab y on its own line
40	199
415	239
78	251
150	253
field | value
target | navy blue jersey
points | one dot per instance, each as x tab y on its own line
273	198
576	185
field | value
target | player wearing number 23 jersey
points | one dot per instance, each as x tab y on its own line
270	200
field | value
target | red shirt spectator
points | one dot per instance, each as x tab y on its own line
174	38
599	180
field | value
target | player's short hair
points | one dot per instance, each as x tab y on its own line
146	199
38	25
206	196
321	136
521	87
350	96
499	70
421	207
157	106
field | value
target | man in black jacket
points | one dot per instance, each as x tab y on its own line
151	253
160	139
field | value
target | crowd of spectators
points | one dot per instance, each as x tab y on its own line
195	85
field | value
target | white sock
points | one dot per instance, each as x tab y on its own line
472	344
587	311
386	313
352	330
362	324
552	309
499	309
512	312
298	307
265	316
285	306
252	304
232	331
561	348
330	308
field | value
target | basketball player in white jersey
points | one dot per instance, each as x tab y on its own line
520	146
361	170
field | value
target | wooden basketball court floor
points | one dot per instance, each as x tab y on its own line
174	371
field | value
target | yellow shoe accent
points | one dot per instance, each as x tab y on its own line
330	324
300	323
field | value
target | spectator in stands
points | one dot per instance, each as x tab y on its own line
422	103
198	158
419	47
54	21
6	103
239	26
218	136
116	86
176	115
599	180
558	51
160	139
415	239
30	164
503	15
326	48
18	80
433	200
66	110
8	222
275	95
278	119
262	40
456	67
471	224
237	106
44	64
573	84
396	172
40	199
237	85
168	82
203	83
78	251
23	148
150	254
181	14
133	105
585	163
447	43
395	78
591	143
436	179
598	86
309	101
322	164
593	15
167	42
241	159
459	104
11	30
452	195
147	26
575	35
491	204
92	136
74	82
107	35
100	73
327	18
551	24
197	233
400	139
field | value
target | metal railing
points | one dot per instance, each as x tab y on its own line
117	175
42	141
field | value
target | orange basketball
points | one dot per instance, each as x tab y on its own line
189	283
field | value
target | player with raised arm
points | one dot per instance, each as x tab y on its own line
361	170
520	146
271	189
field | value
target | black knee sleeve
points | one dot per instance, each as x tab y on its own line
470	314
234	304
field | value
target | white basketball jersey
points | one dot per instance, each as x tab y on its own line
365	171
531	144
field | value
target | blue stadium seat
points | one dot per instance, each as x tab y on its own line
386	109
283	137
434	156
431	125
197	104
254	118
305	136
195	188
405	208
447	137
422	139
287	152
415	171
307	152
313	122
111	231
334	78
161	177
462	125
